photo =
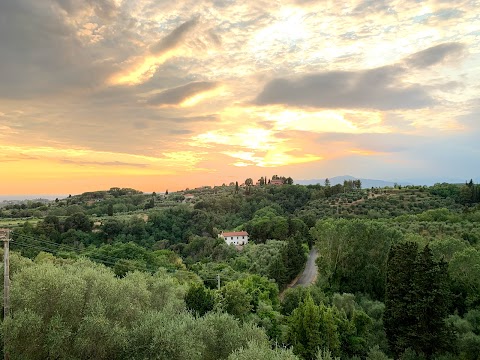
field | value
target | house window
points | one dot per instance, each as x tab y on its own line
243	237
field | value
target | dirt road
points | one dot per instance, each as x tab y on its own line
310	273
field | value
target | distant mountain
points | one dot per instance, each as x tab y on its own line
24	197
366	183
434	180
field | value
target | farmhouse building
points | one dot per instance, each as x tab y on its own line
188	197
276	182
235	238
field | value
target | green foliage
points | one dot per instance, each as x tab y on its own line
464	268
79	309
78	221
130	257
376	354
235	299
260	289
294	257
266	224
199	300
121	313
222	335
417	301
82	311
253	350
469	345
271	320
207	249
325	354
313	327
293	297
446	247
352	255
110	210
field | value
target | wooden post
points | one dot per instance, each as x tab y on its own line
218	281
5	237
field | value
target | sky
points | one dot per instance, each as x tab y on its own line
162	94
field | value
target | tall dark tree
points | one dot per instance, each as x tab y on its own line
278	272
431	288
416	301
294	257
110	210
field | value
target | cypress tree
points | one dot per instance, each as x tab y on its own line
110	210
293	256
416	301
399	317
431	289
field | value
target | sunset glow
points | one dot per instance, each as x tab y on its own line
155	95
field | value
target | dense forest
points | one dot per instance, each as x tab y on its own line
119	274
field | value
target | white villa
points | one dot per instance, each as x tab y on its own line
235	238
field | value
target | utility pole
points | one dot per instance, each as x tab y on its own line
218	281
5	237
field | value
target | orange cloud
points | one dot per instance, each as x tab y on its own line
365	152
197	98
140	69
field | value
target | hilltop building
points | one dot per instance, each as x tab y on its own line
276	182
235	237
188	197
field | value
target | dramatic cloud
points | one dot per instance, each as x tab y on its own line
174	38
106	9
182	93
378	88
143	67
41	54
435	55
141	93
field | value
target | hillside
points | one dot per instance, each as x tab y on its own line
161	254
366	183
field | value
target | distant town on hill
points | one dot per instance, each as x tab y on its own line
366	184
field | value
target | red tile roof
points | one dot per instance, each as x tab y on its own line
234	233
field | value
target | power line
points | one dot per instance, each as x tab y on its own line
93	258
68	248
5	237
104	259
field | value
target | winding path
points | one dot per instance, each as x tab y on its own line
309	275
